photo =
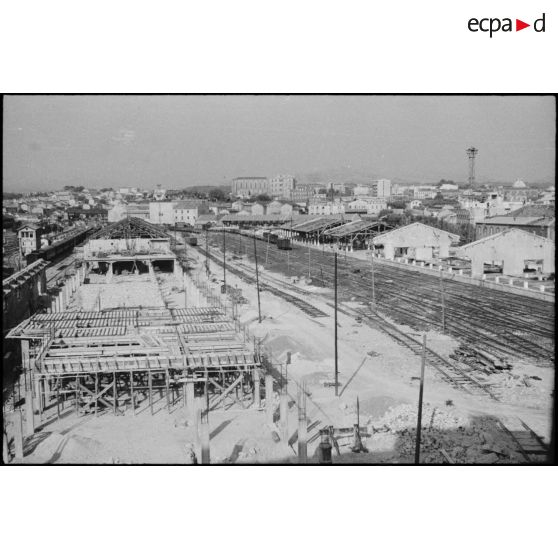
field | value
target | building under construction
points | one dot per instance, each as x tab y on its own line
131	329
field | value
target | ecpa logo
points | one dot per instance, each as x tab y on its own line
493	25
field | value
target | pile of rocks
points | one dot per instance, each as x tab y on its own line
447	436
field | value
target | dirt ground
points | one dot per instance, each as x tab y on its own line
373	368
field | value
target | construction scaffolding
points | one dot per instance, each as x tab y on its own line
115	359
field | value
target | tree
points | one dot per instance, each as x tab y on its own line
263	198
217	194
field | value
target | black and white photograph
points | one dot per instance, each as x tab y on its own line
278	279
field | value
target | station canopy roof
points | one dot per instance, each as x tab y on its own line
355	227
131	227
255	218
320	223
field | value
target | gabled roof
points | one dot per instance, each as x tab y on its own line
408	228
131	227
510	233
29	226
354	227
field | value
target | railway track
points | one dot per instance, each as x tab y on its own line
529	444
501	323
307	308
458	375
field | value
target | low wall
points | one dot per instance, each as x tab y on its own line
469	280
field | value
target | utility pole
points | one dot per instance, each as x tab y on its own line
267	248
443	301
309	262
224	264
257	279
335	318
419	417
207	252
373	281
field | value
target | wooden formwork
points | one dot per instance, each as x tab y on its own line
111	360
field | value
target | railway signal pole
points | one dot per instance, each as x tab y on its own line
419	417
257	279
335	328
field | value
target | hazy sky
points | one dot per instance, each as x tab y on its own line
97	141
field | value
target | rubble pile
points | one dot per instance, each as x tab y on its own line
446	436
481	360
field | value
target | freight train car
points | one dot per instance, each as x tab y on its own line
193	241
284	244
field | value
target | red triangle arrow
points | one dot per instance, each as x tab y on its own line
519	25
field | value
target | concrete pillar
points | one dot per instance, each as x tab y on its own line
18	434
431	266
510	282
190	401
460	272
541	288
29	413
450	270
497	280
302	439
525	284
284	417
5	452
484	276
256	378
269	398
25	353
204	437
421	264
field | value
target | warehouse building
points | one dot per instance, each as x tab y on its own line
417	241
514	250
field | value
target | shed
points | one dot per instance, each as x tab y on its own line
416	240
513	250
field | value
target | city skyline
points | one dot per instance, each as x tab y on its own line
182	141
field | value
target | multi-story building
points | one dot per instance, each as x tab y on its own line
139	210
302	192
246	186
537	219
281	186
361	190
326	208
161	212
29	237
381	188
185	212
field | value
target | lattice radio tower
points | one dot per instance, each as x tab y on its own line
472	153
